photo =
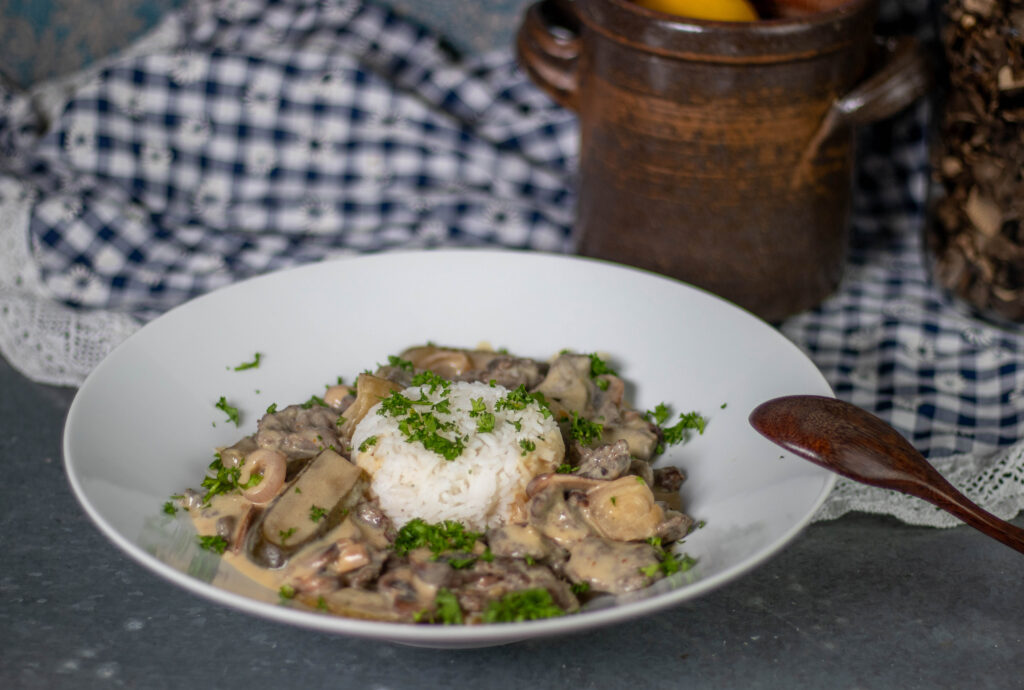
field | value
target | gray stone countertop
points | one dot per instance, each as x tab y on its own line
860	602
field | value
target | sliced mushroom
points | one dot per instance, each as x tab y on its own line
325	488
640	434
519	541
550	515
449	363
505	370
370	390
567	385
563	482
611	566
623	510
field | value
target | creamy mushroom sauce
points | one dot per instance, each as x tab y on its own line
295	514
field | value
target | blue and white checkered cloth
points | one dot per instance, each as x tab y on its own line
280	132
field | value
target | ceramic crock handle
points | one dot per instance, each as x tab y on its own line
904	76
548	44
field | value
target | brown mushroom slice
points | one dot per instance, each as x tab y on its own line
640	434
567	384
519	541
326	484
611	566
564	482
552	516
446	362
623	510
370	390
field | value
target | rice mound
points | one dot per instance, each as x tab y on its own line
484	486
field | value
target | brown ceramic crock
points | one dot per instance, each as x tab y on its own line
720	153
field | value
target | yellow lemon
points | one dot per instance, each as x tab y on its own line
720	10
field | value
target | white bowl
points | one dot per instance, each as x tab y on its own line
143	426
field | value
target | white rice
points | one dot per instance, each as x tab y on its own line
484	486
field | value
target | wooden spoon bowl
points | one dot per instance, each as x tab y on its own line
856	444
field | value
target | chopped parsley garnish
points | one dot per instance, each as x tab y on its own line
449	535
424	426
580	588
286	534
272	409
446	608
484	419
583	430
286	592
231	412
321	603
669	563
678	432
520	398
525	605
429	378
485	424
249	365
316	513
565	468
170	508
340	420
400	363
527	445
314	400
370	441
213	542
219	479
599	367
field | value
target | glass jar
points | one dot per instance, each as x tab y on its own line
975	236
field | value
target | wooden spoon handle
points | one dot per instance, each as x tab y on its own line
858	445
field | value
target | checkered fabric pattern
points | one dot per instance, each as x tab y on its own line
282	133
286	131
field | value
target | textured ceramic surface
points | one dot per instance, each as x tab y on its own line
719	153
143	426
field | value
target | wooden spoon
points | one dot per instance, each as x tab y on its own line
846	439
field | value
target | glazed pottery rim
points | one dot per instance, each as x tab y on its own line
765	40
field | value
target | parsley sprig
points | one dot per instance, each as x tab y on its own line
219	479
417	420
678	432
599	367
668	563
230	411
583	430
250	365
449	535
520	398
525	605
484	419
213	542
